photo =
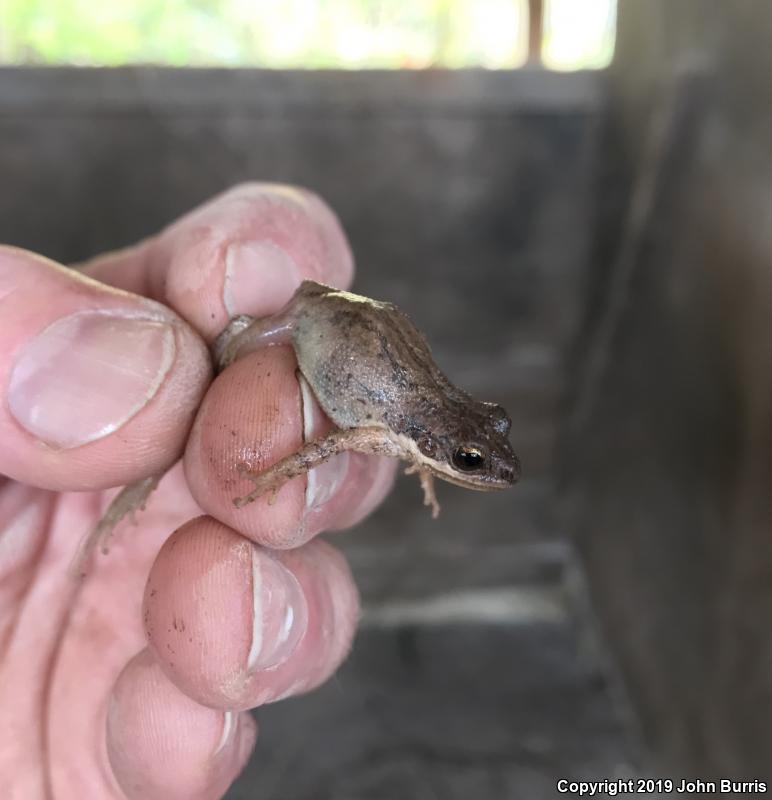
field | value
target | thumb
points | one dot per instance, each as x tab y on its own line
98	387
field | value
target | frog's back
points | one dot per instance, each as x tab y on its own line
366	362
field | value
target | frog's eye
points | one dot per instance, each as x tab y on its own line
468	458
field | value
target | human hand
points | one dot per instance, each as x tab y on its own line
133	683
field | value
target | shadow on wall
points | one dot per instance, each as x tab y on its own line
670	463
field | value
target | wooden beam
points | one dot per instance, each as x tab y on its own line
535	30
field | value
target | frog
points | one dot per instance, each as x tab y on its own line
372	373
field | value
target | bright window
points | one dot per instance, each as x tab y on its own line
578	34
356	34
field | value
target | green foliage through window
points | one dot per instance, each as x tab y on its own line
282	33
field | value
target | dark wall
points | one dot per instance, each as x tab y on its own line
468	200
670	455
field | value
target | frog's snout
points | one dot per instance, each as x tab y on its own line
509	473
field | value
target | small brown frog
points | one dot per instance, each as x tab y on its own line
373	374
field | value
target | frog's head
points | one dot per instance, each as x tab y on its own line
474	451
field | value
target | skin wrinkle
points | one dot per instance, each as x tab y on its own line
9	637
7	292
93	503
53	662
108	775
42	744
23	529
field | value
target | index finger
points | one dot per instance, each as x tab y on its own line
243	252
99	386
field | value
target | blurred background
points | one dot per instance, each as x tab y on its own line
310	34
574	201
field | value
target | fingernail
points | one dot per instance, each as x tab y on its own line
86	375
296	688
228	728
260	277
322	482
280	612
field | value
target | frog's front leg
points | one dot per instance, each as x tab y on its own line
371	441
427	484
244	334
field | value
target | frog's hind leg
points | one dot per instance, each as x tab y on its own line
127	502
427	484
371	441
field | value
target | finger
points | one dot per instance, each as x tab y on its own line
161	744
244	252
256	413
98	387
234	625
24	516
